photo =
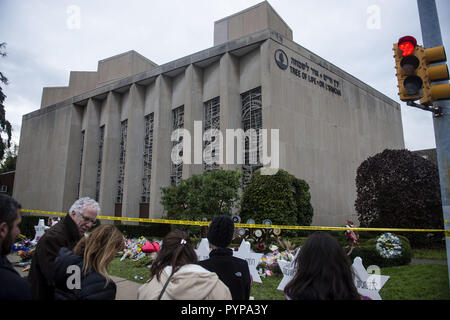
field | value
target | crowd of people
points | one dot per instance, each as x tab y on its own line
70	263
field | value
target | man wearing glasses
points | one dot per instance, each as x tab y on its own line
67	233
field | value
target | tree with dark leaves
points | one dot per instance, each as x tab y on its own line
5	126
399	189
9	163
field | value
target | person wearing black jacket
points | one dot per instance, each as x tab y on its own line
232	271
12	285
81	274
92	286
66	233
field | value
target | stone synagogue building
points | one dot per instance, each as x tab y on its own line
107	135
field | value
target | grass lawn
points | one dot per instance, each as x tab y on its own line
416	282
435	254
267	290
127	269
413	282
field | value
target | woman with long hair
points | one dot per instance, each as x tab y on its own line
323	271
91	255
176	276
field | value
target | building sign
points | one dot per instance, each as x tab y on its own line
281	59
307	73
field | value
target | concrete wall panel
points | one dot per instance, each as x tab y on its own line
162	146
211	82
134	153
42	160
250	72
178	90
333	133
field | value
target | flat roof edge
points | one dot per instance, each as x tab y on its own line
247	40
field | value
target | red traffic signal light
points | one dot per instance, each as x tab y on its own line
407	44
408	57
416	75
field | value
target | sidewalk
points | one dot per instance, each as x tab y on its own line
126	289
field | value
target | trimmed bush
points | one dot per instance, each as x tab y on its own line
400	189
28	222
281	197
370	255
147	230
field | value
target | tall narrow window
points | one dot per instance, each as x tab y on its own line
123	149
147	159
211	120
176	170
81	162
251	119
99	161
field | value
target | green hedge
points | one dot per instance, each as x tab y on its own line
28	222
370	255
157	230
282	198
148	230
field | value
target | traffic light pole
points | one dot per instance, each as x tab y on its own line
431	35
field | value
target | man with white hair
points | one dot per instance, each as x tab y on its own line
67	233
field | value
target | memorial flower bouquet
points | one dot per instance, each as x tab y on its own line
261	238
352	237
388	246
133	249
269	262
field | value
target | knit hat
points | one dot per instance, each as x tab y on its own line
220	232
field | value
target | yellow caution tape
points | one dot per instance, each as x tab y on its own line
244	225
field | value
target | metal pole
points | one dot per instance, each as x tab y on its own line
431	35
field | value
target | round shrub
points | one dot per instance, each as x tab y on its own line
400	189
370	256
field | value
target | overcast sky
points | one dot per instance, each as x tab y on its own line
48	39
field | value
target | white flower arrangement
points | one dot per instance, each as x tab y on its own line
389	245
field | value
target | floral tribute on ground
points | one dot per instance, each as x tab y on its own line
389	245
352	237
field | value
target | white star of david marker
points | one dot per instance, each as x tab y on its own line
253	259
288	269
203	250
40	230
368	284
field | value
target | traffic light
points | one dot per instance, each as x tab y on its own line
415	74
432	73
408	57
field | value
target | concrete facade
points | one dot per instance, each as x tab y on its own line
328	121
108	70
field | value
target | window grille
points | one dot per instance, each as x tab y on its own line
81	163
99	162
123	149
251	119
176	171
147	159
211	120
